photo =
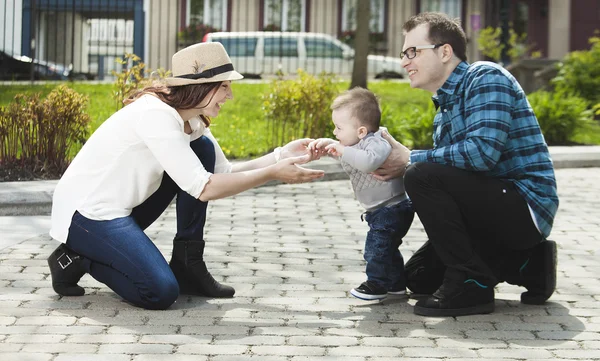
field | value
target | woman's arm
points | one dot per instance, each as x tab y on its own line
257	163
287	170
294	148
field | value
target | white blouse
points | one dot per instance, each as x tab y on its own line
123	163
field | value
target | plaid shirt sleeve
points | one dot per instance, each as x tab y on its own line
479	127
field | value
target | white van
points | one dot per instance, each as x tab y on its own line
257	54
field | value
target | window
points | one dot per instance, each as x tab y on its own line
281	47
521	17
321	48
377	16
238	46
452	8
207	12
284	15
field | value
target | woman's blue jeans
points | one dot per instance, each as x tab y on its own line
119	254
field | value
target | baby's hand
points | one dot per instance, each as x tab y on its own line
335	149
317	146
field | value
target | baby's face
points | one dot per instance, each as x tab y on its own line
346	127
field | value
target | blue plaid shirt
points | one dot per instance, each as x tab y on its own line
485	124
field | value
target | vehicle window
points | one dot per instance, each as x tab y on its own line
322	48
282	47
238	46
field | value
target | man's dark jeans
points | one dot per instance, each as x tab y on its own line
478	227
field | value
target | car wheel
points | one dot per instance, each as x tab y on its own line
252	76
389	75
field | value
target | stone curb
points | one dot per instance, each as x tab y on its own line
35	198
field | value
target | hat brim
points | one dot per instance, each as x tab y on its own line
230	75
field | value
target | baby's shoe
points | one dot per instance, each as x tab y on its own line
369	291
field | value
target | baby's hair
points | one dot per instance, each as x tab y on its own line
364	107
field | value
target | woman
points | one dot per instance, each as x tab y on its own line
157	147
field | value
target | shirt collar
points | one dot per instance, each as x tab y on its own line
452	82
196	124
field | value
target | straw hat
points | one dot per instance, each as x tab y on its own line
202	63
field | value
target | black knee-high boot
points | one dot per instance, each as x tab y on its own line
188	266
66	270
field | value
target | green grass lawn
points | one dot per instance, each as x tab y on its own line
240	127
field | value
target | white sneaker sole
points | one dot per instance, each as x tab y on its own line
365	296
397	293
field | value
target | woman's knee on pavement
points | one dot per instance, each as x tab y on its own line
163	294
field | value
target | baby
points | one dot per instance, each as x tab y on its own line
389	214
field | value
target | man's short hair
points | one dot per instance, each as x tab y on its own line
364	107
442	30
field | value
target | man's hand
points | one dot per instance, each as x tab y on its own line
289	171
395	165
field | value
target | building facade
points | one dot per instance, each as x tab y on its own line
90	34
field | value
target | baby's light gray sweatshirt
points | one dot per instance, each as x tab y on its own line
359	160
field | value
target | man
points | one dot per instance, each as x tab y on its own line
486	193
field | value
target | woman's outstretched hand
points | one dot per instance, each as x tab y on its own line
297	148
288	170
395	165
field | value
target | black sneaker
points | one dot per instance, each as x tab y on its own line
369	291
457	299
538	274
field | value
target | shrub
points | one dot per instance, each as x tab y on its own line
561	115
37	136
272	27
415	128
579	73
194	33
299	107
132	77
490	45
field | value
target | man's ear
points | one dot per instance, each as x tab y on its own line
362	131
447	52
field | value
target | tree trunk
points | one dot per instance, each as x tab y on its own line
361	44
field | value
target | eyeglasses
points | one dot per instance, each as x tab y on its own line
411	52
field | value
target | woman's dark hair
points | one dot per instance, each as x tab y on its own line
178	97
442	30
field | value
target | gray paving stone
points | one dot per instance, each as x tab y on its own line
38	356
90	357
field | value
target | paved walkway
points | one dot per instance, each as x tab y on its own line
293	252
